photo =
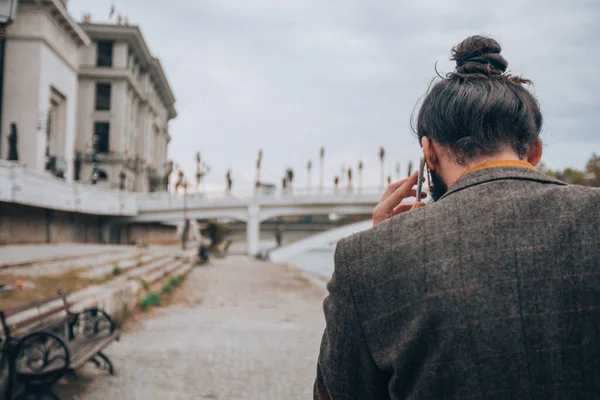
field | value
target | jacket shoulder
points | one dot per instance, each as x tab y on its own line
369	255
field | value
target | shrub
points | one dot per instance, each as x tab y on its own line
145	285
166	288
116	270
151	299
216	232
176	280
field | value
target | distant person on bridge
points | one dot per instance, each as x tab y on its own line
490	292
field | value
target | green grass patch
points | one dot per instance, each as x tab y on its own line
175	281
158	298
166	288
145	285
151	299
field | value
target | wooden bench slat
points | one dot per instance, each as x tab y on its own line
87	349
42	326
33	304
39	317
80	351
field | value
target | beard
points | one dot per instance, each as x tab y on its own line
438	187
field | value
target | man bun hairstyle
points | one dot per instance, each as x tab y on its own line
479	108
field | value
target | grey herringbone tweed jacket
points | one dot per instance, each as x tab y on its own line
493	292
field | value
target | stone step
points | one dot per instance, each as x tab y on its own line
124	264
161	272
55	267
21	256
140	273
182	270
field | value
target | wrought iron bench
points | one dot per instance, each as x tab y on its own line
43	341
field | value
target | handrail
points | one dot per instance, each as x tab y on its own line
253	194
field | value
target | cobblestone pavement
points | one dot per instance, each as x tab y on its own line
238	329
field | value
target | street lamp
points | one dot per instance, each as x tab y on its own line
8	9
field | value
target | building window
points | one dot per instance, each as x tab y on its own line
105	53
102	96
102	137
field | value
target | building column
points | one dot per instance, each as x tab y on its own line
253	229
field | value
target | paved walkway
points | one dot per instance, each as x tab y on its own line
238	329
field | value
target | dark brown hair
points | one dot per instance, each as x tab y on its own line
479	109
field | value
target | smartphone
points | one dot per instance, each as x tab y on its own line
420	181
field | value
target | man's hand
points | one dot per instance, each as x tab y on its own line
389	205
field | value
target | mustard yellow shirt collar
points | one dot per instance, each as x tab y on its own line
498	164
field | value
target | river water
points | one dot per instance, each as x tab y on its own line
317	261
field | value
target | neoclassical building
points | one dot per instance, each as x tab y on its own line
125	105
88	102
41	64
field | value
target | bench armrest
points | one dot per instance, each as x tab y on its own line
91	323
40	352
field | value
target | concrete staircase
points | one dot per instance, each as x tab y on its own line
92	261
120	293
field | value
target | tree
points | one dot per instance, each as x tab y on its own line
410	167
572	176
322	168
382	159
215	232
398	171
290	176
592	169
336	182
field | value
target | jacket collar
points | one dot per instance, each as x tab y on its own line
499	173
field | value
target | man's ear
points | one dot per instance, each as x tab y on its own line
429	150
535	152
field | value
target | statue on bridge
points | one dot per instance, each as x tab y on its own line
229	180
13	154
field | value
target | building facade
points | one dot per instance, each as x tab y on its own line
39	107
125	105
85	102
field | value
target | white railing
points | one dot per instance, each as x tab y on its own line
19	184
246	194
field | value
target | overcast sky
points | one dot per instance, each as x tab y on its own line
292	76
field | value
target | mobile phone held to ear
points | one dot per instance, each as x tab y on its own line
420	181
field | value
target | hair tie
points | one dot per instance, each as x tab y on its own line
478	59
